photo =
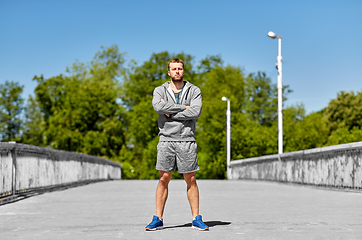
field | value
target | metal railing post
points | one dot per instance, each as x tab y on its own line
13	157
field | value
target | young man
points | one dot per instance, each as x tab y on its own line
178	104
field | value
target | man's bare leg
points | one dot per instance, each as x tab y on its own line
162	192
192	193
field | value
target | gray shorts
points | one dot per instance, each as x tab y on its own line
182	154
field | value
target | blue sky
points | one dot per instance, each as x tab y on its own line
321	45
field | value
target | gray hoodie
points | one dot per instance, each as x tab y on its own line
180	126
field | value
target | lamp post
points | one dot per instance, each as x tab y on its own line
280	91
228	138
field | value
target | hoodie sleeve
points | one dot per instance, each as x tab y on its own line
164	107
195	107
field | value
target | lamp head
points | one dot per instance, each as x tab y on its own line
224	99
273	35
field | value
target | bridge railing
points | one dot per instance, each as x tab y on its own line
25	168
334	166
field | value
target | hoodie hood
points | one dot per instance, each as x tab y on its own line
185	89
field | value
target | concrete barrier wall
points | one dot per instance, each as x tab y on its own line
26	168
6	168
334	166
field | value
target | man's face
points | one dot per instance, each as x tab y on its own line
176	71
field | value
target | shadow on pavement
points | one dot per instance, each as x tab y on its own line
208	223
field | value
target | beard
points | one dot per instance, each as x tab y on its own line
177	79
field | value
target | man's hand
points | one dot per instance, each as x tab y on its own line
167	115
187	107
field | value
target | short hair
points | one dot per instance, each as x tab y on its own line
175	60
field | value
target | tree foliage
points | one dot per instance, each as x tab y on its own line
104	108
11	107
211	126
303	132
345	110
80	111
33	130
344	118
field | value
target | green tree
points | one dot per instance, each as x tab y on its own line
344	118
210	63
81	112
345	110
211	126
127	158
344	135
303	132
147	167
261	98
104	109
33	124
253	119
11	108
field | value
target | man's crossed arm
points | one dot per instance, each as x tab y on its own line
178	111
168	115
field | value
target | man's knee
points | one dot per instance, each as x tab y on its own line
165	177
190	178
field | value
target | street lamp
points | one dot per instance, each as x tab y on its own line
280	91
228	137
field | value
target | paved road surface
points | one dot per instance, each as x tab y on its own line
232	209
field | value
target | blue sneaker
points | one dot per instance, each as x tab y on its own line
156	224
198	224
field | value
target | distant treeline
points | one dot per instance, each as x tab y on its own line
103	108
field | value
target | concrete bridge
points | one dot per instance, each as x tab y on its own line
46	205
233	210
